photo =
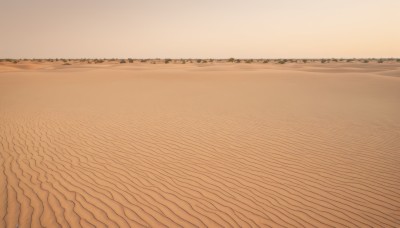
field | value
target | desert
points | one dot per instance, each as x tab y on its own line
208	143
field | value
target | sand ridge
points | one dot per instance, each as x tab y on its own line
183	145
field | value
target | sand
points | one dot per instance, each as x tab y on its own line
196	145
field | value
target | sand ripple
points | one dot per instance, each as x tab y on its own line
181	148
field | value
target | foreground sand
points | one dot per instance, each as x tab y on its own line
199	145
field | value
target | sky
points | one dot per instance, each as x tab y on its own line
199	29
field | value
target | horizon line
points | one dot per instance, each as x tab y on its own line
179	58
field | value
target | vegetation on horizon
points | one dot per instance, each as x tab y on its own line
202	61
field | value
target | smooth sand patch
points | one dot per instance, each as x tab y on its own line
182	145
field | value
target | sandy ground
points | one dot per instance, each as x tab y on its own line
222	144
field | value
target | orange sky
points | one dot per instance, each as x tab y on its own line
199	29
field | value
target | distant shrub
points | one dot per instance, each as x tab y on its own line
380	61
365	61
143	60
67	64
122	61
349	60
183	61
398	60
231	60
323	60
211	60
266	61
130	60
198	61
282	61
304	60
249	61
167	61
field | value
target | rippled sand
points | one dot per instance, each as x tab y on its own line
240	145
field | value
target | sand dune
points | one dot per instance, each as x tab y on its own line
222	145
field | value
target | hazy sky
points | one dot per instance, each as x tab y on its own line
199	29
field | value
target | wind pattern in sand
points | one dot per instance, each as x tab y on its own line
194	147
